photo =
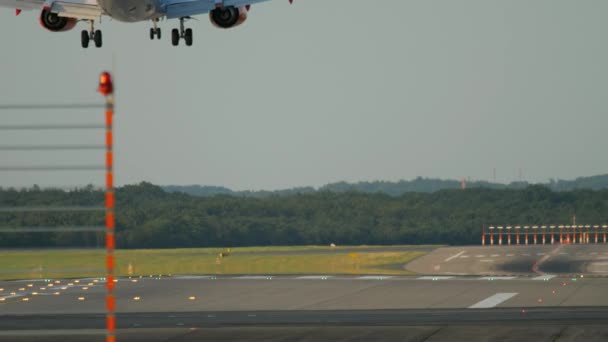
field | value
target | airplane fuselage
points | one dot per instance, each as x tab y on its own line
131	10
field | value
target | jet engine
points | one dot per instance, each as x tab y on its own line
54	23
228	16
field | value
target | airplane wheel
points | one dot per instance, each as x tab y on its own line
84	39
158	32
152	33
175	37
97	38
188	37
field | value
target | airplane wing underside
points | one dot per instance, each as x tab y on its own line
80	9
186	8
22	4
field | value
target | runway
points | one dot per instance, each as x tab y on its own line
514	260
447	305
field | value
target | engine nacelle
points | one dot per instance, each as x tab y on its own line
228	16
54	23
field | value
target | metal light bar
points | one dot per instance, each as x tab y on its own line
48	209
49	127
52	168
51	229
53	106
50	147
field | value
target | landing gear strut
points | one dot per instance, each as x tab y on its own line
155	31
91	34
177	34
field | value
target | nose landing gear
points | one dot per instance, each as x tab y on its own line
155	31
182	32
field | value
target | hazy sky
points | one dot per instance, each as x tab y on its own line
328	90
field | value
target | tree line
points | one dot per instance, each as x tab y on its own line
149	217
398	188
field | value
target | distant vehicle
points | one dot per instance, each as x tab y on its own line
62	15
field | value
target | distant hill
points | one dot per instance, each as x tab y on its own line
420	185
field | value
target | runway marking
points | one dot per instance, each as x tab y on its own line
314	277
454	256
497	278
194	277
253	277
374	277
3	298
464	256
480	256
545	277
509	255
494	255
563	253
494	300
526	254
593	253
435	278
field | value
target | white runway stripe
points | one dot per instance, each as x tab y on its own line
454	256
545	277
314	277
12	296
492	301
374	277
434	278
253	277
497	278
193	277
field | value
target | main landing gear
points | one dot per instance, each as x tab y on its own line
91	34
176	34
155	31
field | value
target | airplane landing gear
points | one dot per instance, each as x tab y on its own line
91	34
155	31
182	32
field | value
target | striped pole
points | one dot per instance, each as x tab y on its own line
106	88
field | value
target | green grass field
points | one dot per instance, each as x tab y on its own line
73	263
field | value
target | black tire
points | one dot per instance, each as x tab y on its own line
84	39
175	37
98	39
188	37
158	32
152	33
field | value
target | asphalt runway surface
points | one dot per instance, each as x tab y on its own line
514	260
465	300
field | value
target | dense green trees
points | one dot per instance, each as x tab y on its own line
147	216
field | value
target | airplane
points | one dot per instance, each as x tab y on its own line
63	15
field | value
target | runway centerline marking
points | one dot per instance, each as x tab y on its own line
493	300
454	256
